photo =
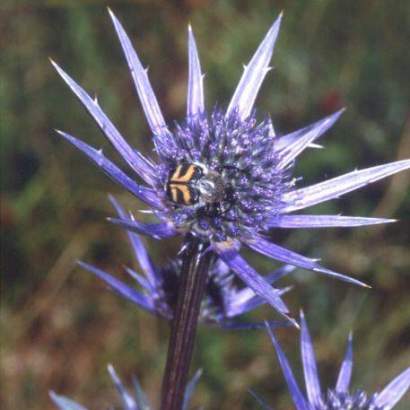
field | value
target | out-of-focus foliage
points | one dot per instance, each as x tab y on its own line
60	327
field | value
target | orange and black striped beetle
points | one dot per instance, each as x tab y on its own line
192	184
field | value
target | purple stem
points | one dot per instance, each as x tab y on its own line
195	267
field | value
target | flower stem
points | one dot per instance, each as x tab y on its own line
196	262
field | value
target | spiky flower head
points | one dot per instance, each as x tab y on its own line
224	176
340	397
136	401
223	303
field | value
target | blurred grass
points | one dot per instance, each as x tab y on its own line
60	327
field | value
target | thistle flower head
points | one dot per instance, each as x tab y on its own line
224	175
235	186
341	397
224	301
136	401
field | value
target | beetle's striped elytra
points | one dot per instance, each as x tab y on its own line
194	184
180	185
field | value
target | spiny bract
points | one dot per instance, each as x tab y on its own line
223	302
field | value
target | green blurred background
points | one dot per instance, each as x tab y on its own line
60	326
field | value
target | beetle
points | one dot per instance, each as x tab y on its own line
194	184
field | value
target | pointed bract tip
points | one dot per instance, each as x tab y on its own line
113	374
350	337
303	323
83	265
114	18
274	29
339	112
63	134
295	324
363	284
110	12
277	22
53	63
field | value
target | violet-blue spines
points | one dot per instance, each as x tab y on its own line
359	400
224	300
340	397
249	160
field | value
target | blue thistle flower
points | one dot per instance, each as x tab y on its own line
136	401
223	302
339	397
223	176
